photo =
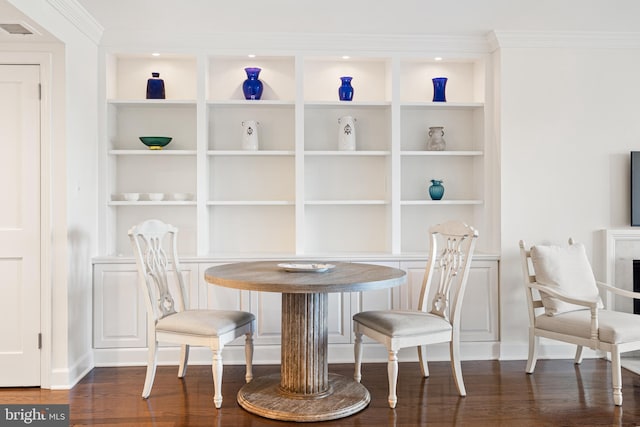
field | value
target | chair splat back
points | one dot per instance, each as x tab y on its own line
156	266
450	265
148	240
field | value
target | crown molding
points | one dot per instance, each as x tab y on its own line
563	39
330	43
79	17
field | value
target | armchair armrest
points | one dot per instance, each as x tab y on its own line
554	293
591	305
618	291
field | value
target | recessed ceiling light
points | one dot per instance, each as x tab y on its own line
438	58
251	55
155	54
345	57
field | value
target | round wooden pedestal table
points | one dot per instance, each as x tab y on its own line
304	390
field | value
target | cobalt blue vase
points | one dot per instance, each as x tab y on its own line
252	87
439	86
155	87
345	91
436	190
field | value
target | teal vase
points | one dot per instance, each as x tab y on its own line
436	190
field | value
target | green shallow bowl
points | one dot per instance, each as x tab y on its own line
155	142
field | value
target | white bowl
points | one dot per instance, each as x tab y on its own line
156	197
131	197
181	197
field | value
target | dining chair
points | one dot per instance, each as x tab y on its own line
451	248
564	304
169	318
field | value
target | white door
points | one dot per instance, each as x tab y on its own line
19	225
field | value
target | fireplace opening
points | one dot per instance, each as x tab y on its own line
636	285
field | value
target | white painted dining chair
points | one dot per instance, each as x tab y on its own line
451	248
564	304
169	318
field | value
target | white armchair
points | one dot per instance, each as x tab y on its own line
560	282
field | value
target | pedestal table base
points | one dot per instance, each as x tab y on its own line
263	396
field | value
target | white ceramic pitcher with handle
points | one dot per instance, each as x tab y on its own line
250	135
346	133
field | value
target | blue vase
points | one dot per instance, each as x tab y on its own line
436	190
155	87
439	86
345	91
252	87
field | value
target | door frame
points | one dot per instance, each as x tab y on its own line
44	61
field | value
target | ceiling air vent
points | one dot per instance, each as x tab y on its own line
16	29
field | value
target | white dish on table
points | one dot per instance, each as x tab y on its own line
308	267
131	197
156	197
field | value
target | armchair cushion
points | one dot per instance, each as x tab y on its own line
566	269
614	327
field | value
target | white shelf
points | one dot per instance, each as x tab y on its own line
167	152
152	203
440	202
250	203
441	153
346	202
251	152
347	104
347	153
252	103
444	105
151	102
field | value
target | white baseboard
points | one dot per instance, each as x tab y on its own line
270	354
65	379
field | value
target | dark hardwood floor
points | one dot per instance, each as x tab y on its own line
498	394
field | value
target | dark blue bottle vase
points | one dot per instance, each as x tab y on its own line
436	190
345	91
155	87
439	86
252	87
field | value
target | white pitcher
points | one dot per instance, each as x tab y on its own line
250	135
346	133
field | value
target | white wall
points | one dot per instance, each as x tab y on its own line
569	117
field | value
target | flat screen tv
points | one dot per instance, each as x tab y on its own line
635	188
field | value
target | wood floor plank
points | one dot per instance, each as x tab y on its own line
498	394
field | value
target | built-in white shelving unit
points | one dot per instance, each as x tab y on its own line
298	194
